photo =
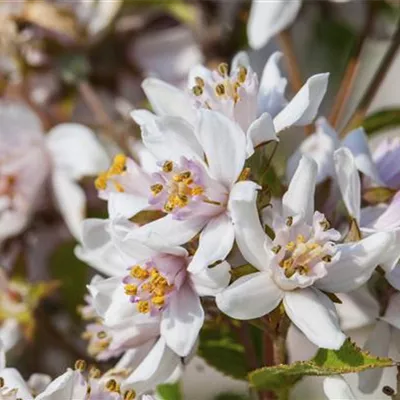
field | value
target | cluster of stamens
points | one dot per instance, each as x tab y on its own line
301	254
178	188
225	87
117	168
98	341
147	288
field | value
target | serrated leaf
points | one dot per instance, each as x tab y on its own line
220	350
348	359
382	120
171	391
378	195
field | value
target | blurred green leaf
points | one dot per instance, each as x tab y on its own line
382	120
219	348
348	359
73	275
170	391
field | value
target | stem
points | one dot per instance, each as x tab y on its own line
285	41
358	116
350	74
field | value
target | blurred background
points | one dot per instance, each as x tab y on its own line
83	61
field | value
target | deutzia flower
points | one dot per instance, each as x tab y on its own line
336	388
28	157
301	262
260	109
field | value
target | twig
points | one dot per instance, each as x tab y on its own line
350	74
358	116
285	41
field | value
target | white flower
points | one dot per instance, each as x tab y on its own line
336	388
268	18
261	110
299	263
28	158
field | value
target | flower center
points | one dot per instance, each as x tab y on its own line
222	87
117	168
148	288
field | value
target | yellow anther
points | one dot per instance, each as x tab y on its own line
197	90
156	188
185	175
168	207
303	269
101	181
119	187
312	246
158	300
80	365
300	239
242	74
223	69
129	395
276	249
86	335
112	385
139	273
199	81
168	166
197	191
325	224
327	258
101	335
291	246
289	221
118	165
130	289
183	200
94	373
220	90
143	306
287	263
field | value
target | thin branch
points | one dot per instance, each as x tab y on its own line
350	74
286	43
358	116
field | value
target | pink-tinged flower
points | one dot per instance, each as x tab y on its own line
300	263
189	191
386	158
260	109
28	158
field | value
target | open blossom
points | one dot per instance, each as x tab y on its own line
28	158
336	388
300	263
260	109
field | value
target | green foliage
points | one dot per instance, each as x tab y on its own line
348	359
72	274
381	120
220	349
170	391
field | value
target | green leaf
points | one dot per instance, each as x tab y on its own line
348	359
73	275
378	195
381	120
170	391
219	348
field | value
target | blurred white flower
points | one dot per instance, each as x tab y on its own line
299	263
336	388
28	157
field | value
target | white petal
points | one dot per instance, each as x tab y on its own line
268	18
71	201
336	388
133	357
356	264
392	313
95	233
378	345
315	315
358	309
260	131
250	296
357	142
224	145
349	181
250	236
126	205
211	281
198	71
170	138
10	333
299	198
303	108
169	231
61	388
240	59
14	380
167	100
215	243
393	277
155	369
76	151
182	320
38	382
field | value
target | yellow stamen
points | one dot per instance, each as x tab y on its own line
300	239
158	300
119	187
276	249
242	74
327	258
199	81
197	90
291	246
143	306
289	221
101	335
223	69
130	289
220	90
139	273
168	166
80	365
129	395
112	385
101	181
118	165
156	188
